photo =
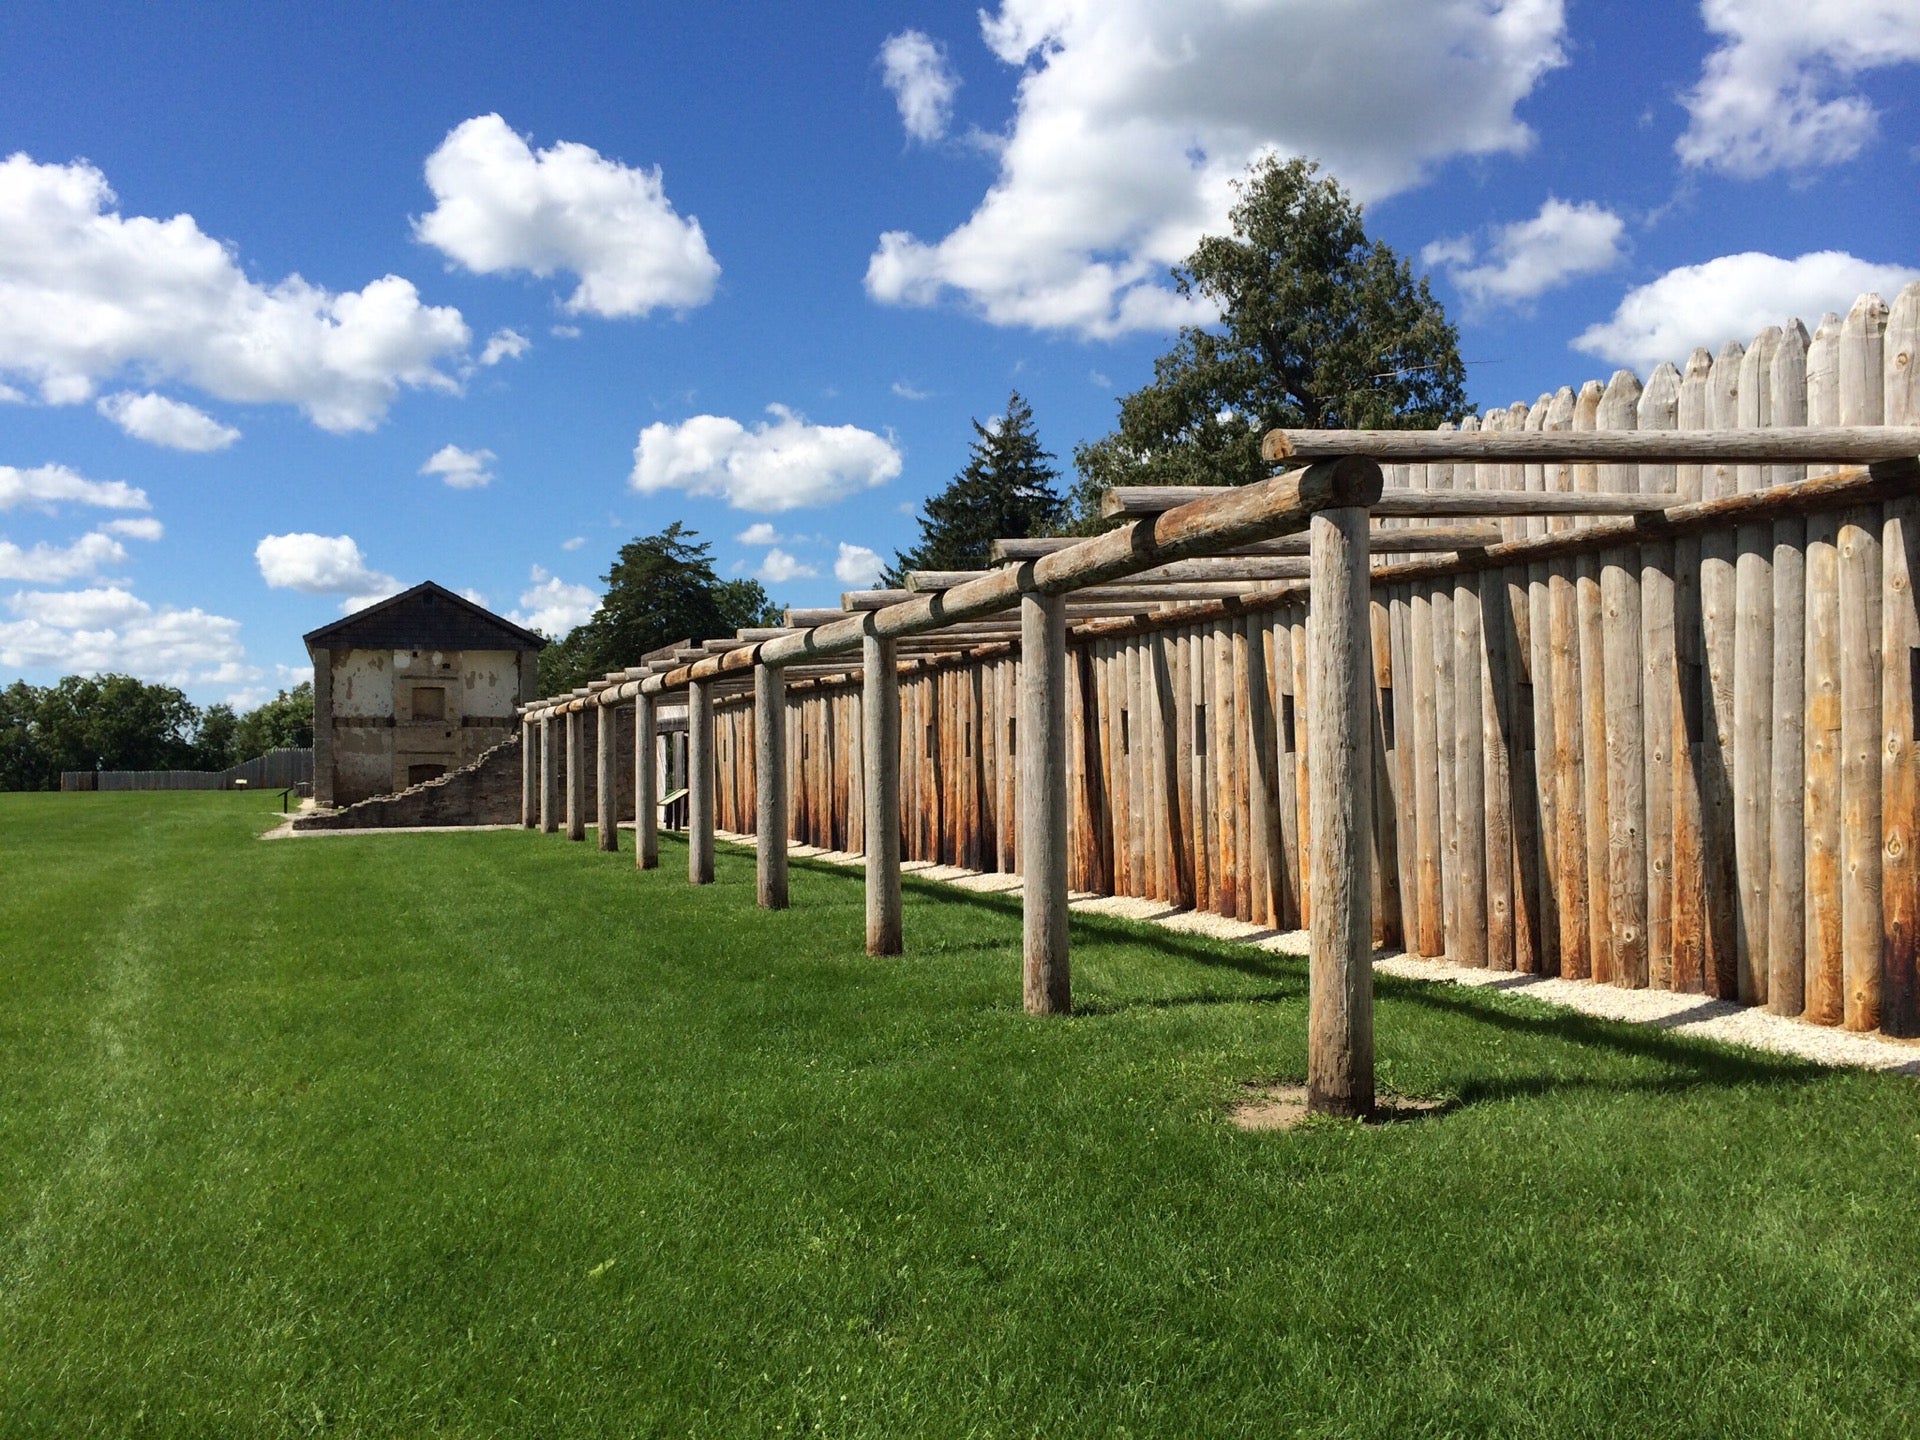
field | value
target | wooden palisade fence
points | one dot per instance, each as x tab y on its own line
1618	685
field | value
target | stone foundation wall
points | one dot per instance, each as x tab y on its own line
487	792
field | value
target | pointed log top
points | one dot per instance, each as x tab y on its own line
1699	363
1869	312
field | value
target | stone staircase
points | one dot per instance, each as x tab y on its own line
486	792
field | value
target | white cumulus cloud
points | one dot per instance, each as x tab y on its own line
922	82
462	469
553	607
776	465
322	565
1133	116
759	533
79	609
504	345
503	206
144	528
1731	298
91	632
780	567
160	421
57	564
1524	260
45	487
1774	94
857	565
87	294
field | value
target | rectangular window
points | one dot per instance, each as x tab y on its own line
420	774
429	702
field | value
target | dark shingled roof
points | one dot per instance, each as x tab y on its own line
427	617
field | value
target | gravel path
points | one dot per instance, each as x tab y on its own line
1682	1014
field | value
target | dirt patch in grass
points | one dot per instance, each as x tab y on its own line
1284	1107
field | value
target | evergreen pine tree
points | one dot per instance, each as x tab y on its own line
1006	491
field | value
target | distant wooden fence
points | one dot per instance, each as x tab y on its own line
275	770
1684	762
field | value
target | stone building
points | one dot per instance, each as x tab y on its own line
411	688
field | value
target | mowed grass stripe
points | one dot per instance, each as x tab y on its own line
489	1134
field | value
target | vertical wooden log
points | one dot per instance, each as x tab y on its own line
606	804
576	775
1825	990
1719	608
770	785
1496	756
1569	725
1543	748
1689	856
1226	800
1625	721
1659	409
1469	769
1340	971
1786	889
880	720
646	787
1900	761
1183	763
1530	891
700	777
529	774
1387	928
1753	689
1048	983
1286	769
1428	937
549	775
1406	816
1862	402
1303	751
1593	720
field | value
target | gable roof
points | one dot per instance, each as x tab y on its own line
427	617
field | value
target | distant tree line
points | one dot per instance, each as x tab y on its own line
115	722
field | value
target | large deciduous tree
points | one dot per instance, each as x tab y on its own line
1006	491
661	588
1320	328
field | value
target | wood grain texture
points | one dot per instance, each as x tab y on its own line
1860	363
1786	890
1900	760
1340	1077
576	775
700	778
1047	982
770	785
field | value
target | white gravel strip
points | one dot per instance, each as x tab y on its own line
1663	1010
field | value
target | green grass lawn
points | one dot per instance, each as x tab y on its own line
489	1135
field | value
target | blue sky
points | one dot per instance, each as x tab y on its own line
299	304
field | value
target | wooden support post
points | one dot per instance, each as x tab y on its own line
646	786
770	784
700	783
549	777
880	723
1043	800
1340	972
605	805
529	774
576	776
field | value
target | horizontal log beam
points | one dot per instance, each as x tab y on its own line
1834	444
1136	500
1239	515
1401	540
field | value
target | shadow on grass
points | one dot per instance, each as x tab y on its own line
1692	1063
1697	1062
